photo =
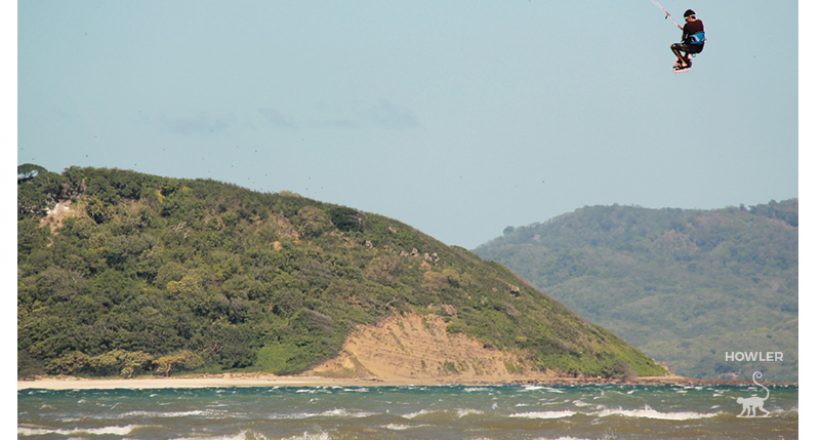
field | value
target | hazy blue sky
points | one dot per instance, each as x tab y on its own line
456	117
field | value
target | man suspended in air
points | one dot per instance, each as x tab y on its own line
692	41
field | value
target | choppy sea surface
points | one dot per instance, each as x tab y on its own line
408	412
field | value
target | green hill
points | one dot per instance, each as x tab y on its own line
685	286
122	272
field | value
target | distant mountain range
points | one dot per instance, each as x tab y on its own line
685	286
126	273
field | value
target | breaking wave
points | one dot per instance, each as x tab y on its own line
336	412
106	430
169	414
544	414
649	413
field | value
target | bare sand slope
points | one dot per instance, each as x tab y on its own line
418	347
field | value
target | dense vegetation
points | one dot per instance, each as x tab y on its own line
128	273
685	286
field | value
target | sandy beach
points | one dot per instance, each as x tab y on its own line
269	380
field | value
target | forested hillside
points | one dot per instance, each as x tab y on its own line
685	286
127	273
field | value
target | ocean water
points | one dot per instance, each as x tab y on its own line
411	412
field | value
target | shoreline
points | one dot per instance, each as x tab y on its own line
269	380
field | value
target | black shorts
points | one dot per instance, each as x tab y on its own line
688	48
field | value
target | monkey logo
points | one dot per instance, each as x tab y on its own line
754	403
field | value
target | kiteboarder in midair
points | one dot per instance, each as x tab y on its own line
692	41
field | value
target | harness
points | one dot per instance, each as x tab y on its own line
698	38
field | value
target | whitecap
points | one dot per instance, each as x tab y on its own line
401	427
541	387
33	392
341	412
649	413
244	435
313	390
544	414
581	403
550	402
396	427
463	412
309	436
170	414
106	430
417	414
336	412
782	411
475	389
240	436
